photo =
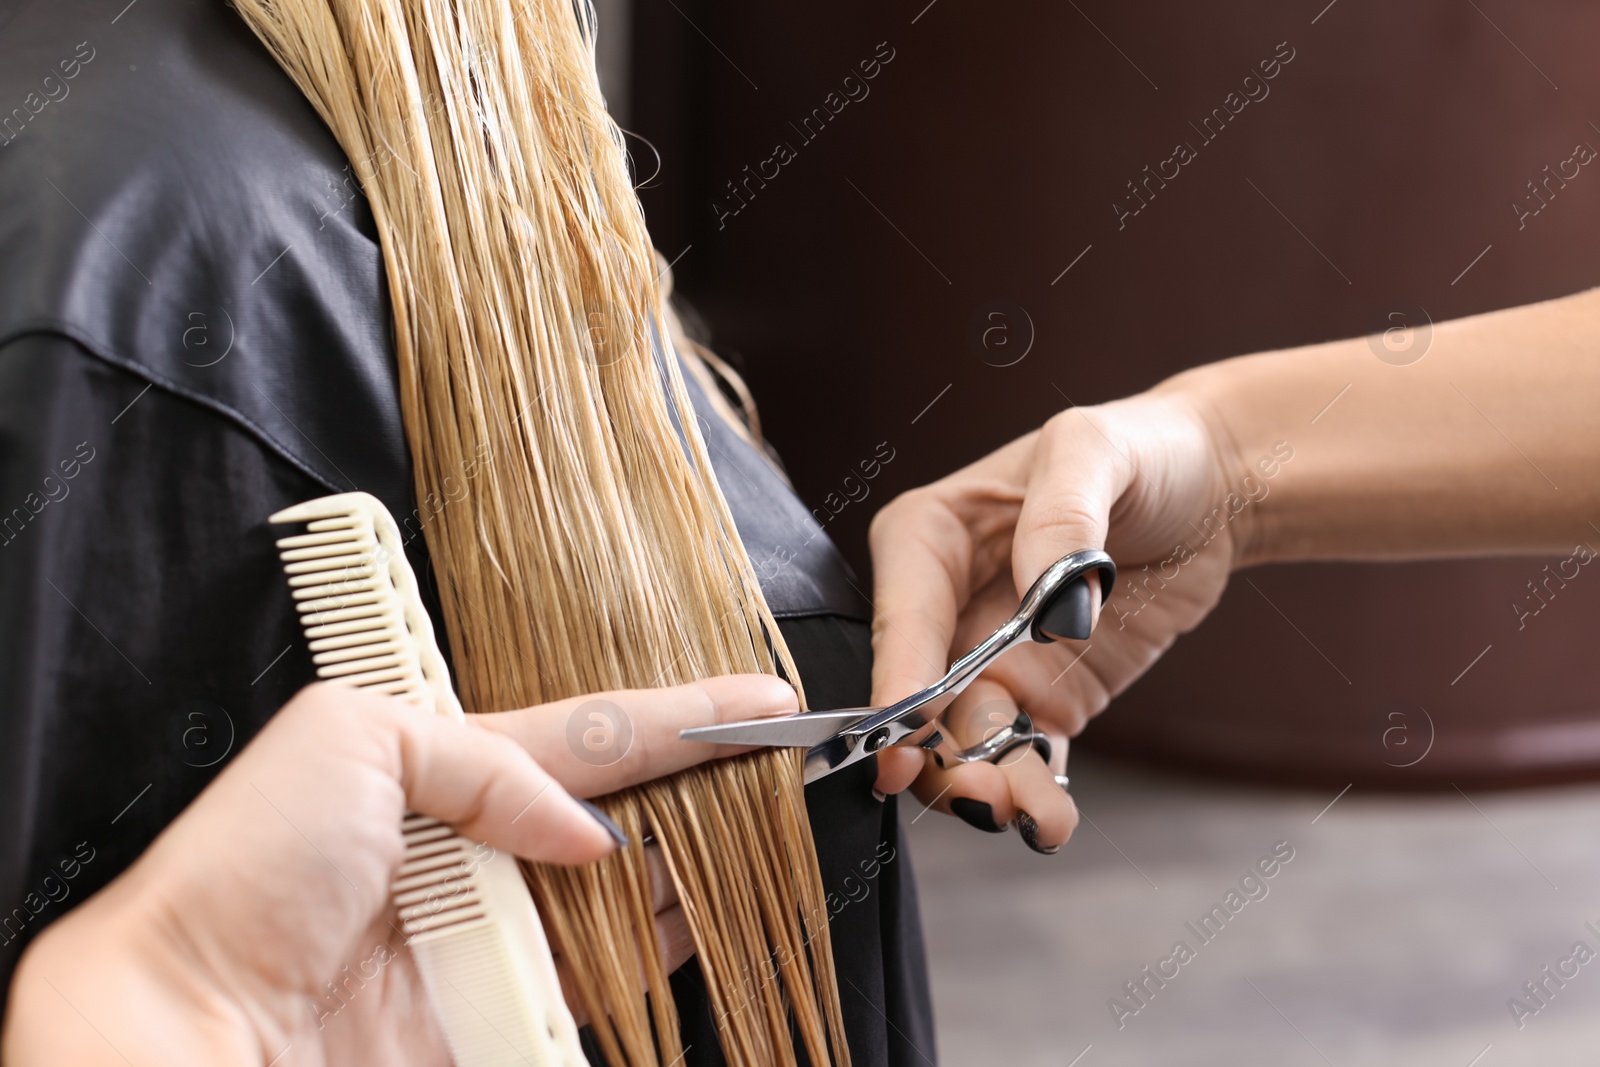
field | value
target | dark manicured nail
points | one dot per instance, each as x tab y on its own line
977	814
1071	614
1028	830
605	820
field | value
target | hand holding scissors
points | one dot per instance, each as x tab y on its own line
1058	606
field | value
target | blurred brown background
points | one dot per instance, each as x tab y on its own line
1377	176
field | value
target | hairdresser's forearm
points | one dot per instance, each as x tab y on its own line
1490	443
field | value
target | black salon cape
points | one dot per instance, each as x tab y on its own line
195	332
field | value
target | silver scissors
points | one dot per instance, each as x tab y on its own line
1058	606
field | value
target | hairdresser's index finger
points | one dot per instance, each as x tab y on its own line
921	564
931	548
608	741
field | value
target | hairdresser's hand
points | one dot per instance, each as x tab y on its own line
257	928
1137	478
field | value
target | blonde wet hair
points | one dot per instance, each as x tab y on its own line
593	550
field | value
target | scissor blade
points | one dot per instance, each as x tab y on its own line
837	753
785	731
834	754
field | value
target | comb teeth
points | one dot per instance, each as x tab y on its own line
434	887
358	601
464	908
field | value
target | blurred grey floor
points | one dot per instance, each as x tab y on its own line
1393	938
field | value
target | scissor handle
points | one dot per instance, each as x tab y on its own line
1058	606
1066	606
1055	606
1020	733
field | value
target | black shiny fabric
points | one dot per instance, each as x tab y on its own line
195	332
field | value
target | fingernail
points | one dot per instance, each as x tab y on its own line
1028	830
879	797
1069	615
977	814
605	820
1062	780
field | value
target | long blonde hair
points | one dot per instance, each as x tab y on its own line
593	550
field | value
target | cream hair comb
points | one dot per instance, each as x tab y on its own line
465	909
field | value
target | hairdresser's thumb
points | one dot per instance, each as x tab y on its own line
490	789
1076	477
